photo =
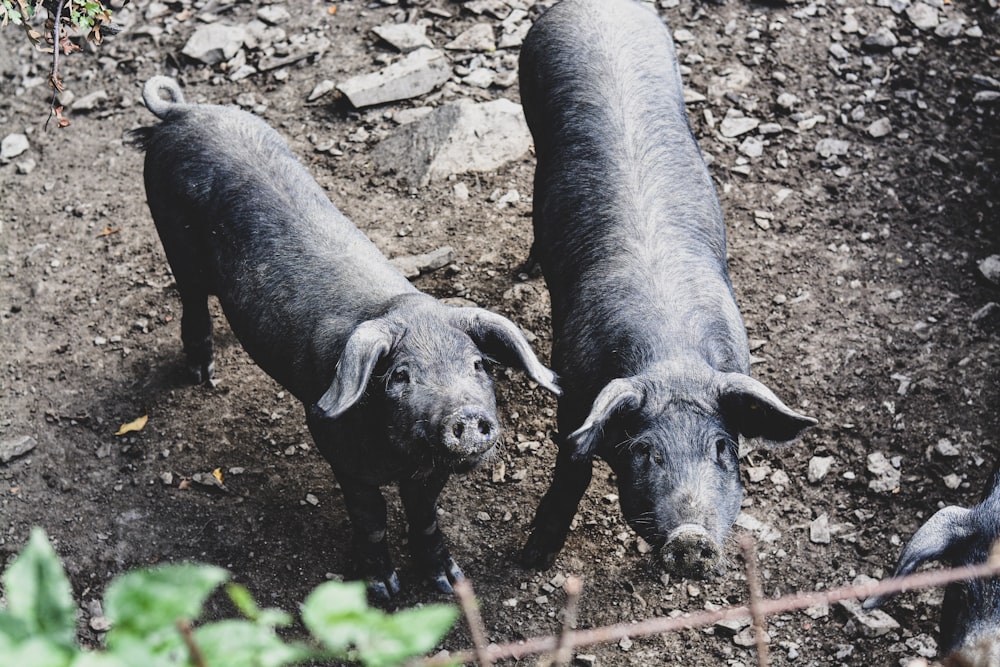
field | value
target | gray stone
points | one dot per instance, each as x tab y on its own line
922	15
321	89
871	623
214	43
274	14
90	101
735	124
415	74
17	446
301	51
985	81
12	146
454	139
762	531
948	29
787	100
682	36
819	529
477	38
480	77
26	166
989	267
886	477
404	37
819	467
880	128
412	266
752	147
838	51
882	39
984	313
986	96
830	147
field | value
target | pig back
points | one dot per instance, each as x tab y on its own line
628	227
293	275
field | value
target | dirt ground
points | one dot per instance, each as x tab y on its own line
856	274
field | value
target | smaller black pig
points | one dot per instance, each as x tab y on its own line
647	338
395	383
970	615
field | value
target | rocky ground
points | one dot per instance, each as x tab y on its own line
854	146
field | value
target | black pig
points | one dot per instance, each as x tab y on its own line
649	343
394	382
970	615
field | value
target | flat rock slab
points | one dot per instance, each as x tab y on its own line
14	447
416	74
455	139
215	43
405	37
12	146
412	266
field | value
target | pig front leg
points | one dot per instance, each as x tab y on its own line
366	507
555	513
427	544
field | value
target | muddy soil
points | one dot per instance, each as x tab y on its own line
855	267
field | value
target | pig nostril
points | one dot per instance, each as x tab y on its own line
708	553
485	427
458	429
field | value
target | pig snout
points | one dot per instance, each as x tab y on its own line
691	552
470	432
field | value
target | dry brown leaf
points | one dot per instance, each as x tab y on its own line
134	425
217	474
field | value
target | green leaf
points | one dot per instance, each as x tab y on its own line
143	602
39	594
237	643
337	614
406	634
93	659
244	601
38	652
12	629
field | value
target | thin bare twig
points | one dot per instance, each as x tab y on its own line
660	624
196	656
756	595
564	647
463	589
54	74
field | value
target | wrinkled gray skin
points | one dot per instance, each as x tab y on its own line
970	615
394	382
648	341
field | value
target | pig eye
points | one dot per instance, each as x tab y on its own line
400	376
655	456
478	365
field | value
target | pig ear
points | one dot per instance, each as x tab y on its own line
946	530
501	339
756	411
370	341
623	394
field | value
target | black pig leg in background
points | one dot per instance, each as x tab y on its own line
426	540
555	513
366	507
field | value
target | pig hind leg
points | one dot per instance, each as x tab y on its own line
188	263
555	513
427	542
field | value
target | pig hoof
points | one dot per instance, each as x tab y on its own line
444	579
201	373
535	556
384	589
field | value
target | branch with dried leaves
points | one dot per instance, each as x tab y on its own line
68	19
758	609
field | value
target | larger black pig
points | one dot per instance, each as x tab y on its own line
970	614
393	381
649	343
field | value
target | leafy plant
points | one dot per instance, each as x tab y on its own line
152	612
